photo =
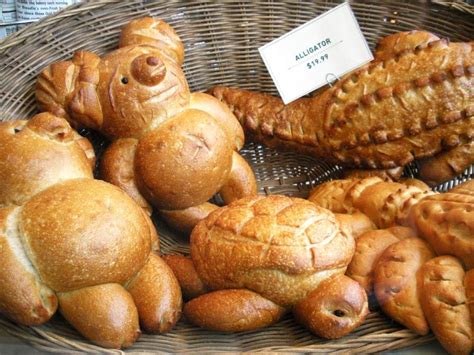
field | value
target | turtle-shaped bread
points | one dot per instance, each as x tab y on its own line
261	256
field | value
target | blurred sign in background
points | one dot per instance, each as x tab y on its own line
17	13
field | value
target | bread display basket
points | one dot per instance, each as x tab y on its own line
221	44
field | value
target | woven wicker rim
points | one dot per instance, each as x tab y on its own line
221	41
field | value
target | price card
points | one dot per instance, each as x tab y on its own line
315	53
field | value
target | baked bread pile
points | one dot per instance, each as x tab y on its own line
413	101
262	256
75	244
171	148
399	264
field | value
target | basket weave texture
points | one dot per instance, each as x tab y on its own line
221	41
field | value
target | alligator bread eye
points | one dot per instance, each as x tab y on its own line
124	80
339	313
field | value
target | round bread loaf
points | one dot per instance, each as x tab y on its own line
277	246
38	153
84	232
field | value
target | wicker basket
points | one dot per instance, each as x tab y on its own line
221	41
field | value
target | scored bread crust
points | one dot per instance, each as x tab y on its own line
70	253
277	246
396	282
446	221
369	248
443	299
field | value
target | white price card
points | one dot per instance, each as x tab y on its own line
315	53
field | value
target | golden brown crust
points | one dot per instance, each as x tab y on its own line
157	295
155	32
396	43
89	217
466	188
185	220
355	224
277	246
36	154
180	153
23	297
387	204
189	280
332	195
241	182
232	311
222	114
446	221
396	282
393	174
443	299
369	248
342	124
469	286
104	314
334	309
117	167
446	166
415	182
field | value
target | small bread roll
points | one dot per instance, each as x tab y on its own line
334	309
232	311
157	295
185	220
469	286
331	195
369	247
104	314
355	224
188	278
396	285
443	299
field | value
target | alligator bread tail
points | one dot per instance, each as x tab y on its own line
266	119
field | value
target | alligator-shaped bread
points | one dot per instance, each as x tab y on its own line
415	100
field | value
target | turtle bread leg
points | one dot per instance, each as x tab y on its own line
232	310
157	295
104	314
185	220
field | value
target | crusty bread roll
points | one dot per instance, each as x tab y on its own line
355	224
388	203
241	181
39	153
331	194
277	246
385	174
117	168
232	311
398	42
159	307
447	165
23	297
443	299
395	282
189	280
466	188
104	314
82	224
335	308
415	182
179	154
369	248
185	220
446	221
